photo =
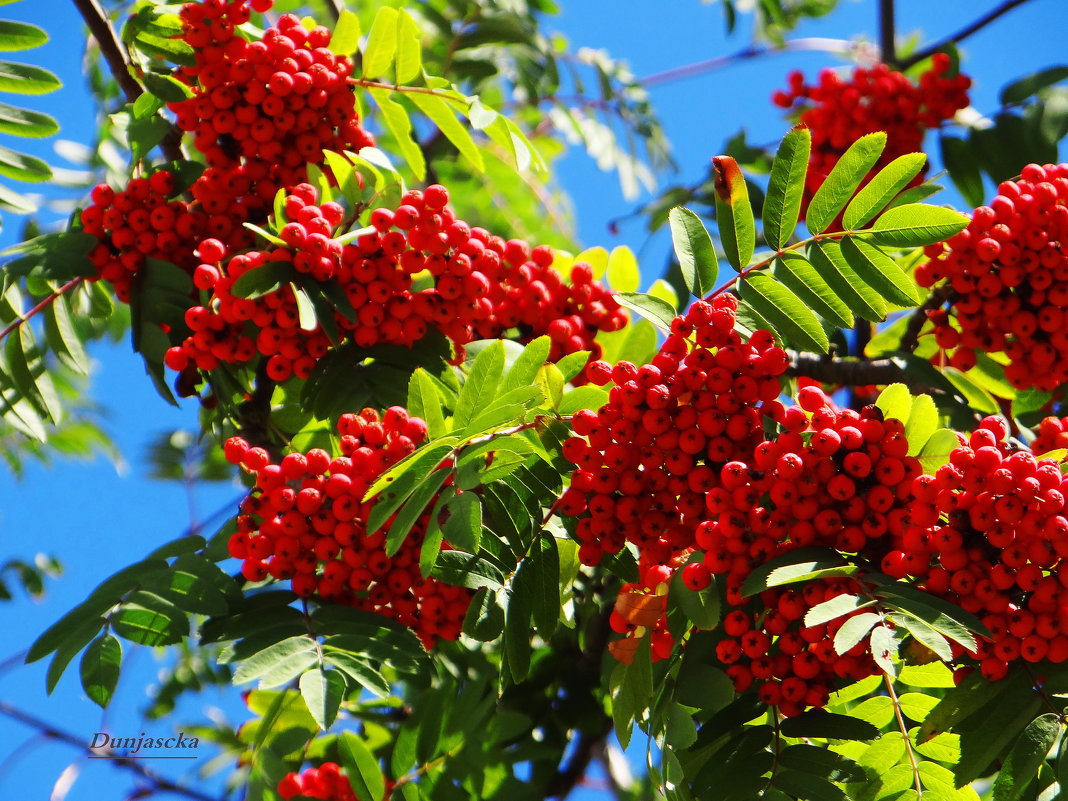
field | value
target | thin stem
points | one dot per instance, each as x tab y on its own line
96	19
44	304
159	782
393	87
919	316
821	44
887	31
904	733
962	34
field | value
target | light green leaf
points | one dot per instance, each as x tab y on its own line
694	250
880	272
409	51
935	452
482	384
24	122
854	630
657	311
526	365
21	167
396	119
884	649
442	115
346	36
26	79
883	188
323	692
795	273
623	274
269	658
922	423
734	213
843	180
785	311
463	524
925	635
63	337
361	767
381	43
786	186
833	609
20	36
895	402
915	225
424	402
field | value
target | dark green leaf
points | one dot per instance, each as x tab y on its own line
467	570
632	689
702	609
883	188
517	621
915	225
880	272
828	725
786	186
826	257
821	762
843	180
359	670
694	250
166	87
1023	88
545	606
484	619
990	733
805	785
323	691
63	338
963	168
414	507
26	79
734	213
795	273
791	566
361	767
784	310
148	619
463	521
100	668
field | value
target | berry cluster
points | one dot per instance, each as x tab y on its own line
306	518
839	111
477	286
1008	274
1051	435
326	783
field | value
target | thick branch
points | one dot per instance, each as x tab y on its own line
919	316
159	782
887	30
847	372
702	67
962	34
111	49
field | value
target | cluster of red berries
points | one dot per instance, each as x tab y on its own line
990	533
1008	275
326	783
306	521
839	111
1050	435
279	101
482	287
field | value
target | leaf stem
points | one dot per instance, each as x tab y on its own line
41	306
904	733
393	87
962	34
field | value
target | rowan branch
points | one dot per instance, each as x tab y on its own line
847	372
96	19
41	306
887	31
962	34
910	338
159	782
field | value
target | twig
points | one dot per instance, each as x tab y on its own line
111	49
904	733
910	338
887	31
159	782
962	34
709	65
44	304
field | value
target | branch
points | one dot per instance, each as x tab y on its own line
888	52
701	67
44	304
111	49
335	8
962	34
847	372
159	782
910	338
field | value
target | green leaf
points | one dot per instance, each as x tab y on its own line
20	36
360	671
21	167
734	213
915	225
482	384
584	397
880	272
895	402
381	43
883	188
854	630
656	310
785	311
526	365
442	115
361	767
922	423
1023	88
702	609
271	657
963	167
409	52
832	266
517	621
173	50
694	250
843	180
414	507
424	402
994	728
166	87
484	619
786	187
632	689
399	125
24	122
545	609
926	635
148	619
26	79
798	275
935	452
63	337
791	566
833	609
397	484
100	667
805	785
346	36
323	692
463	525
828	725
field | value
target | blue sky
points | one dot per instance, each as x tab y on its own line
97	520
